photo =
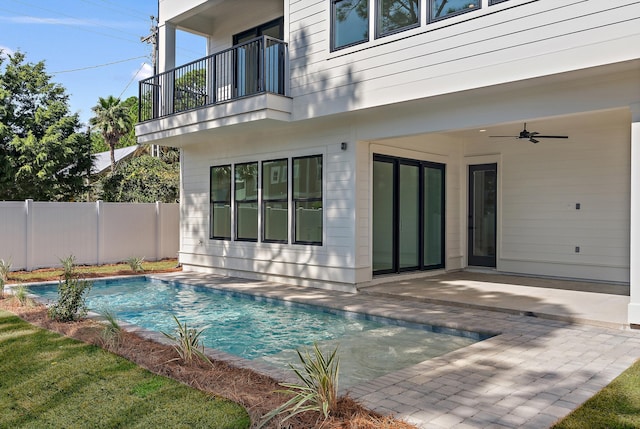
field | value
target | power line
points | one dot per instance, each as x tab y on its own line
100	65
132	79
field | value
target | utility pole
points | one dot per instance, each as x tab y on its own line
152	39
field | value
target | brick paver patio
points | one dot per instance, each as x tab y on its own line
532	373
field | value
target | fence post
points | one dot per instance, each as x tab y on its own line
159	230
99	231
28	245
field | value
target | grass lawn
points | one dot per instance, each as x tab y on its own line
50	381
617	406
91	270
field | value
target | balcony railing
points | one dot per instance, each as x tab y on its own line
254	67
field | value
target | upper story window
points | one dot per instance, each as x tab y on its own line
396	15
349	23
350	18
439	9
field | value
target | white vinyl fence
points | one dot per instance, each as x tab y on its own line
38	234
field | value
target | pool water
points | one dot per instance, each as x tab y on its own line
271	330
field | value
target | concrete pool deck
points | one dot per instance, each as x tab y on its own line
535	371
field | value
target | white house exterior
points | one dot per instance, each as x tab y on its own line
351	141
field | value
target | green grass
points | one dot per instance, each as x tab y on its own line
50	381
54	274
617	406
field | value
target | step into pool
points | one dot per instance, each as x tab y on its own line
268	330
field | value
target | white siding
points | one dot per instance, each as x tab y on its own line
482	48
569	67
541	185
273	260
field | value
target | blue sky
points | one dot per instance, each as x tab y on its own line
91	47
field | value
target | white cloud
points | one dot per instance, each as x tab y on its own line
37	20
145	71
46	21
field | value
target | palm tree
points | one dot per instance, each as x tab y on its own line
113	120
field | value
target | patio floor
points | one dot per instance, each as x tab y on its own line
533	372
592	303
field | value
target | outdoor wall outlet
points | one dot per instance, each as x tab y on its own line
577	249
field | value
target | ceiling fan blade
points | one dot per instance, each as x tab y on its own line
551	137
532	140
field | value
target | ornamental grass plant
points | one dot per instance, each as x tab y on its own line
318	387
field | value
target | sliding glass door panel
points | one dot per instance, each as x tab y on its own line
383	218
433	217
409	211
408	215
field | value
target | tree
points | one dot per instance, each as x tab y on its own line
145	179
113	120
43	155
98	144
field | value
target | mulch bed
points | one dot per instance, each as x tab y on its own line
254	391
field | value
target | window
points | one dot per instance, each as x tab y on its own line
307	199
246	198
275	201
491	2
396	15
220	209
273	28
440	9
349	23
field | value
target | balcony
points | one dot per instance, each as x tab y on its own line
258	66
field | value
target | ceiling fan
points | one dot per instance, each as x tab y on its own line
533	136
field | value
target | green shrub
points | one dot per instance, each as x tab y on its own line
318	390
187	342
72	292
135	264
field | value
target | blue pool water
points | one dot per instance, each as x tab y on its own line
271	330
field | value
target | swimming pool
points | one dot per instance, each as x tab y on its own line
268	330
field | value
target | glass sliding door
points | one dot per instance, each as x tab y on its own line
483	186
408	215
383	216
249	59
433	206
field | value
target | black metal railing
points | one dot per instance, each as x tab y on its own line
250	68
